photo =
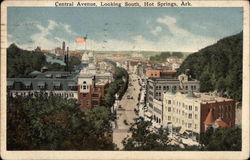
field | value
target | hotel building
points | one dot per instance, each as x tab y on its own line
195	112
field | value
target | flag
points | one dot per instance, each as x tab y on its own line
80	40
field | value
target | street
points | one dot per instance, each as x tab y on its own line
126	113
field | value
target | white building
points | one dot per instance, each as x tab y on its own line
194	112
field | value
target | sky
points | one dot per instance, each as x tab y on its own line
122	29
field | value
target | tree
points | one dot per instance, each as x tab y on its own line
118	86
222	139
177	54
143	138
55	123
219	66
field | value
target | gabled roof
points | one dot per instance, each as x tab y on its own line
209	118
221	123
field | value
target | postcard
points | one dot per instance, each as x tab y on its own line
116	79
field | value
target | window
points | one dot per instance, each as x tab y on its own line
169	101
167	87
189	125
186	87
169	118
174	87
84	87
196	108
195	116
190	108
183	113
195	126
194	87
159	120
182	122
169	109
190	115
164	87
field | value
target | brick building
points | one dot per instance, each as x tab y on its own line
157	73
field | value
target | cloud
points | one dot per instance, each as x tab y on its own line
172	38
156	30
173	28
45	36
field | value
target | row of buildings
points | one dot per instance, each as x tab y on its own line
176	103
88	85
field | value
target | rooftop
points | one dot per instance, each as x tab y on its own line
202	97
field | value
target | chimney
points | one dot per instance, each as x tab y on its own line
67	58
63	46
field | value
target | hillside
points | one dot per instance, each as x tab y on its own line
21	62
218	67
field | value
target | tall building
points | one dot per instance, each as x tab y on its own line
195	112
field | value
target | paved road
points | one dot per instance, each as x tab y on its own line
127	112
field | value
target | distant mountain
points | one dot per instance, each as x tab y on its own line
218	67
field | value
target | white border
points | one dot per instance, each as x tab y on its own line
244	154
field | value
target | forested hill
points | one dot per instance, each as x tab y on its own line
21	62
218	67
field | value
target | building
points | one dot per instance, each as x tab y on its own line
157	73
195	112
156	87
87	86
48	83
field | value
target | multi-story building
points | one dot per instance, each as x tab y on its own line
87	86
194	112
156	87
